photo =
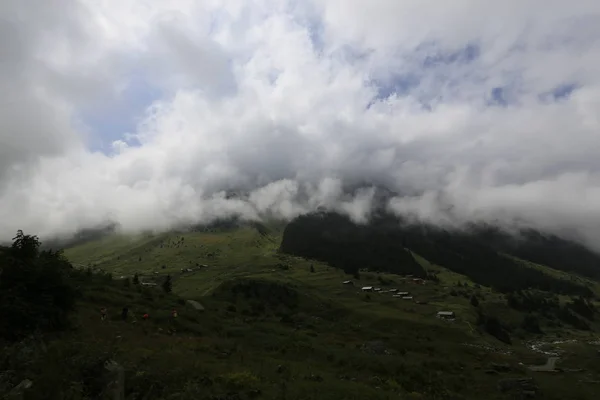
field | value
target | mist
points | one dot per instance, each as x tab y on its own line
150	115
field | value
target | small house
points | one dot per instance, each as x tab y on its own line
397	295
403	293
377	289
407	297
446	314
349	283
367	289
150	284
393	290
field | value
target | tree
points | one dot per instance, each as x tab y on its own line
136	279
35	290
494	327
167	284
474	301
531	324
25	246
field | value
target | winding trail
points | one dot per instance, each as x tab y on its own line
548	367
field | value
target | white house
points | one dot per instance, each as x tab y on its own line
446	314
407	297
367	289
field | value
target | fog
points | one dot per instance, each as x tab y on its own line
149	114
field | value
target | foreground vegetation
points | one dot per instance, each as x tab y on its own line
276	326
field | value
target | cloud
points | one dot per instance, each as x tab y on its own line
472	111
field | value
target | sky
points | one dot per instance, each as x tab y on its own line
146	113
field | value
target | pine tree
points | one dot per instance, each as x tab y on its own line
136	279
312	268
474	301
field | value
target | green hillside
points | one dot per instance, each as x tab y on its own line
275	326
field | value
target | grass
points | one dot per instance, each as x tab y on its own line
312	342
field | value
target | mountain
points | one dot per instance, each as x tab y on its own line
481	253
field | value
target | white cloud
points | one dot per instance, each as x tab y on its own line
283	99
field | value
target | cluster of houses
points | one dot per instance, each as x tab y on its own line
394	292
445	315
196	268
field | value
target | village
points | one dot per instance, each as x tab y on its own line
403	295
152	280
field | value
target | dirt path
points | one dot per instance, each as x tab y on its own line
196	305
548	367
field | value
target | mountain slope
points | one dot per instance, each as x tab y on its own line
382	244
334	239
267	308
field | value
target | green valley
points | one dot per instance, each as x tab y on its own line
274	325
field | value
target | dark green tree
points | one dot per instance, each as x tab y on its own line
25	247
36	290
136	279
531	324
474	301
167	284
